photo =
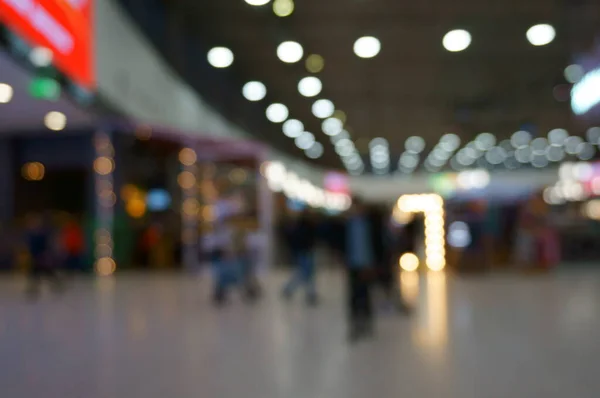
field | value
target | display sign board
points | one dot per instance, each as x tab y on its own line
63	26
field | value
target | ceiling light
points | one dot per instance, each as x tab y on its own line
343	135
539	160
55	121
415	144
367	47
6	93
332	126
540	35
496	155
450	142
378	143
293	128
315	151
457	40
254	91
41	57
555	153
323	108
523	154
538	146
520	139
277	113
290	52
485	141
257	2
283	8
558	136
310	86
220	57
593	135
305	140
315	63
585	151
572	144
574	73
409	160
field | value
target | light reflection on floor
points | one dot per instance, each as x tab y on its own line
158	336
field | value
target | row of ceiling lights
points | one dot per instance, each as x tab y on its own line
460	39
55	121
521	148
310	87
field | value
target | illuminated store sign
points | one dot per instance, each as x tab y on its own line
63	26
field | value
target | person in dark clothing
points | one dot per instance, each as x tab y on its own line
360	244
300	236
39	244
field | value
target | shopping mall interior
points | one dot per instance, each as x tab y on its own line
285	198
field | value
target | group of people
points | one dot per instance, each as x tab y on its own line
367	244
51	246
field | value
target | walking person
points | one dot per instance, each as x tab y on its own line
300	237
40	243
359	245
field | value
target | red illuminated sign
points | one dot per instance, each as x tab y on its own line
63	26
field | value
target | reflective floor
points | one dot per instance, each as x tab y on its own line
158	336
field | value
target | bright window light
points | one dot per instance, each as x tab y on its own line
310	86
55	121
457	40
540	35
367	47
220	57
290	52
293	128
323	108
6	93
277	113
254	91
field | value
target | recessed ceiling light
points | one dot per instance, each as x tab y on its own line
315	151
305	140
323	108
332	126
283	8
586	151
414	144
574	73
539	145
257	2
409	160
55	121
367	47
555	153
6	93
457	40
310	86
378	143
450	142
290	52
277	113
293	128
572	144
343	135
558	136
540	35
485	141
520	139
220	57
593	135
315	63
254	91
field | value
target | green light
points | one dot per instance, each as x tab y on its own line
44	88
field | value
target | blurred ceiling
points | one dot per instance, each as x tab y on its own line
413	87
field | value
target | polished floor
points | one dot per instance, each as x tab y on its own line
158	336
